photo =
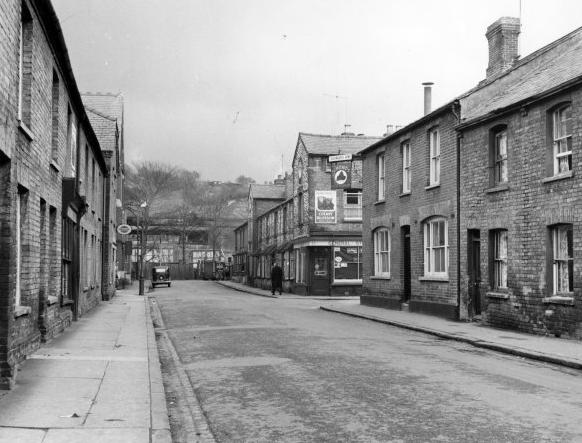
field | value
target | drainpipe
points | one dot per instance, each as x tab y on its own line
456	109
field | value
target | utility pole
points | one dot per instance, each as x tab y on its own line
142	246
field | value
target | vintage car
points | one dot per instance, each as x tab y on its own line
161	276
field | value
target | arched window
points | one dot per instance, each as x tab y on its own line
382	252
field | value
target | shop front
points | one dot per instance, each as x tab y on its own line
328	267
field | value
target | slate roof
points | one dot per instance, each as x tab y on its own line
267	191
541	71
108	104
317	144
104	127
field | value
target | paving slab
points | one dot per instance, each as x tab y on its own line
96	382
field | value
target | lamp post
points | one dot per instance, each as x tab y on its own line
142	246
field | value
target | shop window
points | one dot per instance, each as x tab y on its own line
347	263
436	248
382	252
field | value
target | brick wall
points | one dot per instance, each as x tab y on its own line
526	208
412	209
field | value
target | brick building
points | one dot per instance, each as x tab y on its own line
261	199
240	257
521	194
410	216
105	112
327	211
51	181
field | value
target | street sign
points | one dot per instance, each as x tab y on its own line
123	229
339	158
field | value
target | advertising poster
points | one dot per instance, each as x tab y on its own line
325	206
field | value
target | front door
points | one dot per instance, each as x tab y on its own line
405	232
320	278
474	271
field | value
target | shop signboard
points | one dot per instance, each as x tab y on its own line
341	175
325	207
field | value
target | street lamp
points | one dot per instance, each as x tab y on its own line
142	245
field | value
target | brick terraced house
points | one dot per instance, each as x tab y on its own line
496	233
521	187
51	187
105	112
410	217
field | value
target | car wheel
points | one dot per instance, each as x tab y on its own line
169	284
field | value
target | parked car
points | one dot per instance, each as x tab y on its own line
161	276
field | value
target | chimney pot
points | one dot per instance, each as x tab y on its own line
427	97
503	38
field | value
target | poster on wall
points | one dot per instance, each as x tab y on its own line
325	206
341	175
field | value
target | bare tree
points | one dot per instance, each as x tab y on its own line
212	203
146	183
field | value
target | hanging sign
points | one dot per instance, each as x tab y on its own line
325	206
124	229
341	175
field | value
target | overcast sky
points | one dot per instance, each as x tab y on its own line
224	86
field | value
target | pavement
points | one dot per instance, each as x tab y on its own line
99	381
548	349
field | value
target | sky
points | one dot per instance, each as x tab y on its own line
224	87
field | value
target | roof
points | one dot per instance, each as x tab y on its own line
541	71
107	104
267	191
318	144
105	128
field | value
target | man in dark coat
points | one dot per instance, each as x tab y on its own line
276	278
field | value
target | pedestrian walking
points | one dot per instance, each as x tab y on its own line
276	279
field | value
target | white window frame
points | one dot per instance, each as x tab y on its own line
382	245
561	263
406	177
352	212
18	296
430	248
500	160
380	169
500	246
435	157
560	139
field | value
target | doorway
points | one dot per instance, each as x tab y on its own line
405	238
474	271
320	275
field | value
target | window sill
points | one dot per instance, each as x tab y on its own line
429	187
52	300
347	283
67	302
380	277
380	202
85	288
443	279
562	176
562	299
25	130
20	311
405	194
498	295
53	164
499	188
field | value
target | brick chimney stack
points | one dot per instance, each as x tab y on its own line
503	38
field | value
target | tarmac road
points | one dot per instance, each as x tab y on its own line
269	370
